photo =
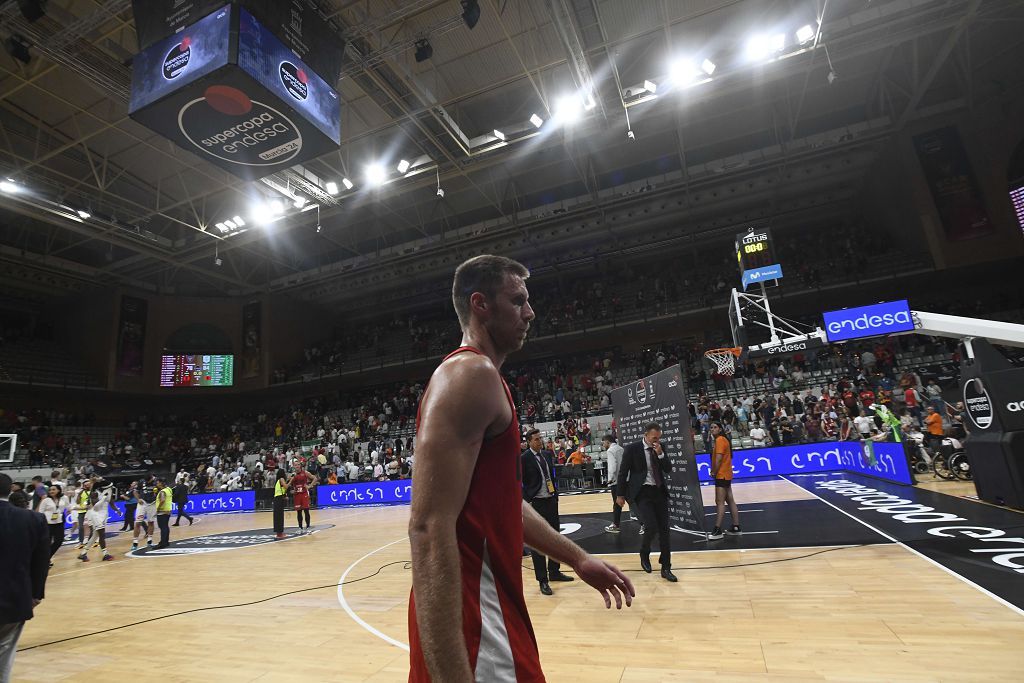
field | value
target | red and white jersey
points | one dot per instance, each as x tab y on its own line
495	623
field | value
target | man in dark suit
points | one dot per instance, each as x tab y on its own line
24	564
643	478
540	492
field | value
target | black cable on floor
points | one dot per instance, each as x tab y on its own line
407	565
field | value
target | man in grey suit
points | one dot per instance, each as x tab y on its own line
24	564
643	479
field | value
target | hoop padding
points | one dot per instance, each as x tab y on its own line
724	359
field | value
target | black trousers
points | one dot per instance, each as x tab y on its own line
163	521
129	517
548	509
56	537
616	508
652	507
279	502
181	511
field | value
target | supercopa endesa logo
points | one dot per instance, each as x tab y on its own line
294	80
177	59
225	123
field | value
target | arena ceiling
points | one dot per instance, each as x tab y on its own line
787	138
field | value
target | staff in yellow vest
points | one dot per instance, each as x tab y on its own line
280	500
81	506
163	512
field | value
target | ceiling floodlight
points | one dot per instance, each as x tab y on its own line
375	174
650	86
805	34
403	166
536	121
568	109
708	67
498	134
332	187
347	183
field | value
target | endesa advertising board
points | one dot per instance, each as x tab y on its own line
227	90
868	321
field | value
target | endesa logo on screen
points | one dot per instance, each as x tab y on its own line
227	124
294	80
176	61
869	321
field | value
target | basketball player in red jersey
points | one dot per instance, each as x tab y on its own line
467	614
300	483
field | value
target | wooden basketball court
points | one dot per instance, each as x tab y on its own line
875	612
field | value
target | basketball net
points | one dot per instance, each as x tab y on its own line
724	359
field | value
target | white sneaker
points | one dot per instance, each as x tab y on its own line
612	529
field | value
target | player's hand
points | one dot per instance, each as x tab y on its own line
609	581
620	501
657	448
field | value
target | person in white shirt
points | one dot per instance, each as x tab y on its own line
758	435
53	508
613	456
864	425
100	502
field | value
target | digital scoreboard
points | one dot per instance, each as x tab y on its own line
197	371
756	258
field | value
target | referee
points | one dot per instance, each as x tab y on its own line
540	492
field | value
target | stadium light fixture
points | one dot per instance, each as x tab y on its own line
299	202
424	50
568	109
230	224
276	207
222	227
805	34
498	134
588	101
84	215
332	187
238	221
651	87
536	121
765	45
347	183
403	166
470	12
708	67
375	174
9	186
682	72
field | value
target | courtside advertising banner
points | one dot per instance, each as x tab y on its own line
881	460
661	398
365	493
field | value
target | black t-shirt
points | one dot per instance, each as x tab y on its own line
147	492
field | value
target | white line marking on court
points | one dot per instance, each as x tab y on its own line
742	550
744	510
949	571
355	617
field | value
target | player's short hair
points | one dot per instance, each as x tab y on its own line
719	425
530	433
652	426
485	274
609	438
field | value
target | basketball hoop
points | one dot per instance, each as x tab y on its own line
724	359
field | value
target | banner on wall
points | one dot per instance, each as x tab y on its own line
954	187
661	398
366	493
252	345
131	336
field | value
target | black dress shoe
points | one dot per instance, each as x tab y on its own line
668	575
545	588
645	564
560	577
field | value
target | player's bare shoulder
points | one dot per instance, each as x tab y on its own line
469	386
